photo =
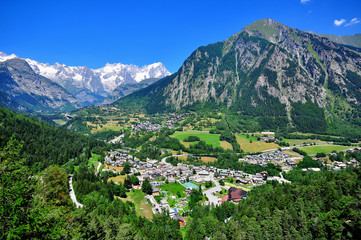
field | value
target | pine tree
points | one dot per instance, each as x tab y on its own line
147	187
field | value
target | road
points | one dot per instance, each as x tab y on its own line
180	155
211	198
72	194
99	164
156	208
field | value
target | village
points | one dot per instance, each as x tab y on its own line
190	177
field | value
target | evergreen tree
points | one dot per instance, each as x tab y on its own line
127	182
147	187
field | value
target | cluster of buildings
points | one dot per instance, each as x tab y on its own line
147	127
117	159
264	158
269	139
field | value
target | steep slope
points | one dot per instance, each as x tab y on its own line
349	40
276	74
92	86
126	89
24	90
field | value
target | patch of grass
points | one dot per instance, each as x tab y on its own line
313	150
60	122
208	138
94	159
226	145
255	146
294	142
118	179
142	207
174	188
208	159
118	169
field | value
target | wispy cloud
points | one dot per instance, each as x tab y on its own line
352	22
339	22
305	1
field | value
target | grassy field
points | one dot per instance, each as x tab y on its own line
94	159
237	186
313	150
255	146
208	138
226	145
142	207
294	142
118	179
174	188
59	121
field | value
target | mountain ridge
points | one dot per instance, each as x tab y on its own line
268	71
92	86
25	91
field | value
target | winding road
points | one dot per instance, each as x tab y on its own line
72	194
211	198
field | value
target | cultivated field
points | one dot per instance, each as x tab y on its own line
313	150
208	138
294	142
255	146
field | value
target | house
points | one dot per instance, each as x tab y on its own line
203	175
236	194
155	191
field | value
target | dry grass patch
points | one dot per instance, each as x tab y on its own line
208	159
254	146
118	179
226	145
118	169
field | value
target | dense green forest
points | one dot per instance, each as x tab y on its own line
43	144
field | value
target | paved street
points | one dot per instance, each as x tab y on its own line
156	208
211	198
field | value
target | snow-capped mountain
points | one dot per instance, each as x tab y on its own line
92	86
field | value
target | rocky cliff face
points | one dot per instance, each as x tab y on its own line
92	86
126	89
268	70
24	90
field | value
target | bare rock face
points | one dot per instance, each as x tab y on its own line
269	70
24	90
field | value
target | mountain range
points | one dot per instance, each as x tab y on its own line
23	90
92	86
268	76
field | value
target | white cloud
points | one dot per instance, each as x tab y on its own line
305	1
352	22
339	22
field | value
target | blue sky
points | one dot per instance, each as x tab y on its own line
92	33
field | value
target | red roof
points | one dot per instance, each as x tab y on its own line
225	198
236	194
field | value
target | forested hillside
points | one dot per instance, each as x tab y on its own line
43	144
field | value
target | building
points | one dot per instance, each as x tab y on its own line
236	194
